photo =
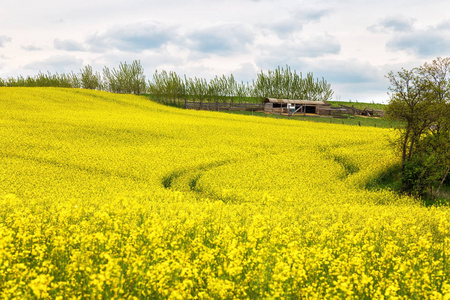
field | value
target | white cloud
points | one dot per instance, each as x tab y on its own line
292	51
347	71
293	22
135	37
406	35
68	45
223	39
4	39
31	48
394	23
426	42
56	64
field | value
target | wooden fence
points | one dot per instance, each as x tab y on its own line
223	106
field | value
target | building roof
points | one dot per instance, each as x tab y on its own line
304	102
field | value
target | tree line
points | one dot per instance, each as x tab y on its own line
169	87
127	78
282	83
420	98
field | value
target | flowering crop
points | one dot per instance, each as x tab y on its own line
112	196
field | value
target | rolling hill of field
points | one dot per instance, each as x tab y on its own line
105	195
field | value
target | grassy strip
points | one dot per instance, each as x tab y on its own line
358	105
353	120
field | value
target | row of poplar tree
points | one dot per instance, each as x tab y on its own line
170	87
282	83
127	78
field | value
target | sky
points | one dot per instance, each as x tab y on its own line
352	44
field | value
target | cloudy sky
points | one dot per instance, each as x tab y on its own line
353	44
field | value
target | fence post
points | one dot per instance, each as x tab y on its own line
185	103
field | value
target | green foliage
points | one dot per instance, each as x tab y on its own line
284	84
280	83
420	98
128	78
169	87
423	173
89	79
358	105
43	80
416	177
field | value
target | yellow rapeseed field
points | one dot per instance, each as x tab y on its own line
106	196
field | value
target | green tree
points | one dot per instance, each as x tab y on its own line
128	78
420	98
288	84
89	79
136	76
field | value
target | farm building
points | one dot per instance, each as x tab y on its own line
291	107
287	106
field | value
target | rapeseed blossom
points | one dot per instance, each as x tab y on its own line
111	196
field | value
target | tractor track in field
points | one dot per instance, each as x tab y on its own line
186	179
